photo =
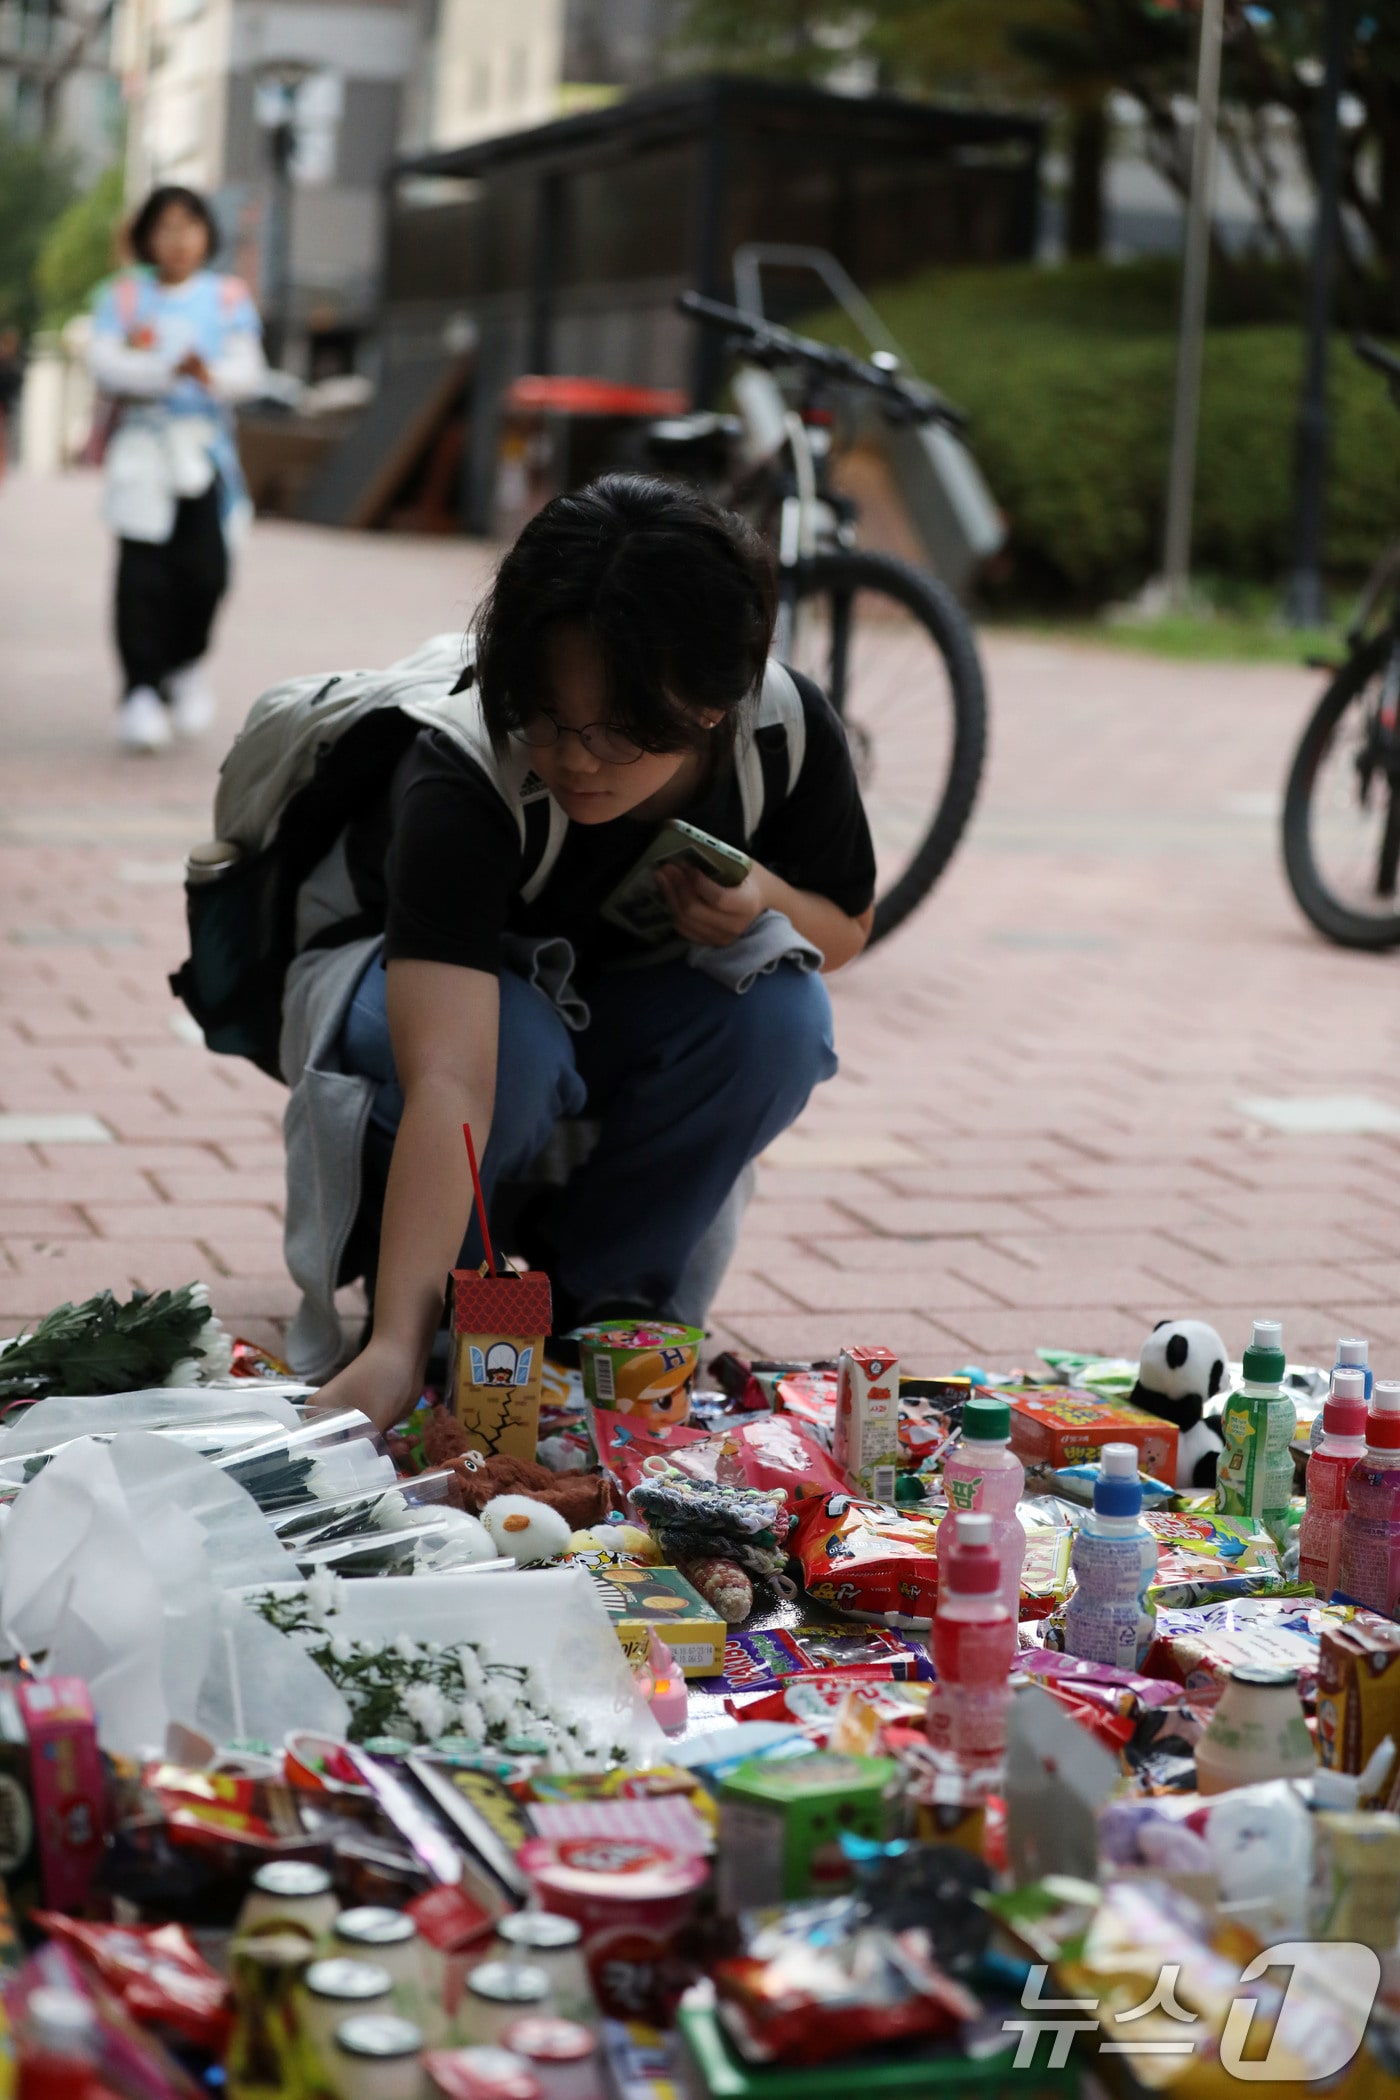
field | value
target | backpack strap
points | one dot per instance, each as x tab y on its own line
773	724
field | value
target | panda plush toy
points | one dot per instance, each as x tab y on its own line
1183	1364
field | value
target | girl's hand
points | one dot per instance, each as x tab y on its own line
382	1383
192	366
704	910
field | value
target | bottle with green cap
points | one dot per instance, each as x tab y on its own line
1255	1476
984	1474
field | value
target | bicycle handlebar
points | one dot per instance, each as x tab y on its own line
903	400
1379	358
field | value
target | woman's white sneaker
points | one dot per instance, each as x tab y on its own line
143	721
191	700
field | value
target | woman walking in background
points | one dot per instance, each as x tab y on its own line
174	346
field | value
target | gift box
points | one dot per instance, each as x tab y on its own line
1358	1691
52	1792
781	1824
640	1601
498	1325
1058	1426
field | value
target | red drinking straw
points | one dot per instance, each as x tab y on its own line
480	1199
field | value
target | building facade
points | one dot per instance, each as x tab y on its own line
207	82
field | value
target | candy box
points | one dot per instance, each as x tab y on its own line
52	1793
780	1825
638	1600
865	1445
1059	1426
498	1325
1358	1691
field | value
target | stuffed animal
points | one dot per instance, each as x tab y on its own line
1184	1364
527	1530
466	1540
626	1541
581	1498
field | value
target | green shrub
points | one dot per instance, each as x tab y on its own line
80	250
1068	377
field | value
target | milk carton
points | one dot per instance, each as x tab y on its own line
866	1444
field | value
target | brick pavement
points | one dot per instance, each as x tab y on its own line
1036	1135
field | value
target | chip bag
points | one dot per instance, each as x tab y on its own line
866	1558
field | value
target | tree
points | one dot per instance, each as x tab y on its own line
1071	52
80	250
35	185
1272	63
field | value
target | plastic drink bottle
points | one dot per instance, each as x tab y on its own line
1108	1619
1255	1477
1369	1570
985	1475
1353	1354
1257	1732
974	1644
1329	1468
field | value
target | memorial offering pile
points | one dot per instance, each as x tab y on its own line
801	1728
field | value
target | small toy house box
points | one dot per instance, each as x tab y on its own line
498	1324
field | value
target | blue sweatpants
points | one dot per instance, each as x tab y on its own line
688	1080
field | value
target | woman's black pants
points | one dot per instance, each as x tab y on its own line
167	595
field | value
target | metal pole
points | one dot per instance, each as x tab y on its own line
1306	598
277	322
1186	412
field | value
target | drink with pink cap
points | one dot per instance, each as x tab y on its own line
974	1644
1369	1570
984	1475
1343	1442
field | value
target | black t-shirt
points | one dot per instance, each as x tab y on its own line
441	859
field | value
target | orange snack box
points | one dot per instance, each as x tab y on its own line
1056	1425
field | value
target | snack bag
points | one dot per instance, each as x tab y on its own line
810	1397
868	1559
499	1324
1202	1557
767	1452
765	1659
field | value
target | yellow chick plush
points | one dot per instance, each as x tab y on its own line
623	1541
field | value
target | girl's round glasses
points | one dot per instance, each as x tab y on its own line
609	745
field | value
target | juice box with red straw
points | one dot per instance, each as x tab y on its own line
498	1320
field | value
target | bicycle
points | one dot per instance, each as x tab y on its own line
889	644
1341	811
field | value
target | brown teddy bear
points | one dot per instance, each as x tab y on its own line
438	1440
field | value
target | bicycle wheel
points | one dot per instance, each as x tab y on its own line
894	650
1341	812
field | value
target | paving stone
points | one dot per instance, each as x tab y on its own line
1028	1116
53	1128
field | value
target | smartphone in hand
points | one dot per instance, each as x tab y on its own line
637	903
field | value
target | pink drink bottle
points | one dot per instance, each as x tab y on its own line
974	1645
1343	1443
1353	1354
1369	1570
985	1475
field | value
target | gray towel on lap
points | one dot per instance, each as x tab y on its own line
772	939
